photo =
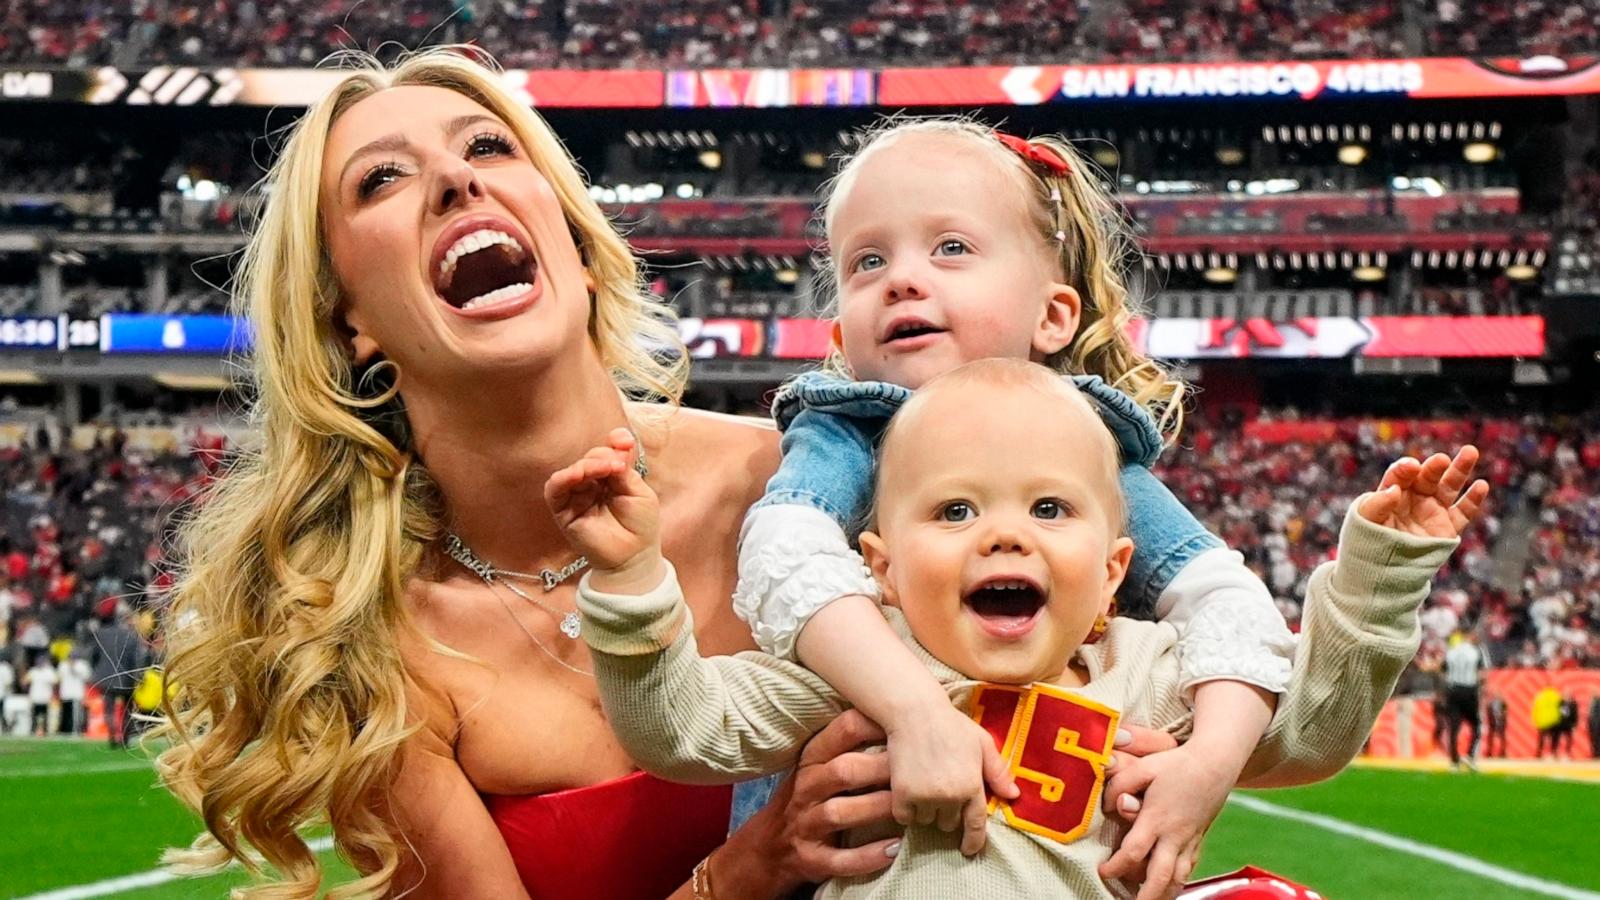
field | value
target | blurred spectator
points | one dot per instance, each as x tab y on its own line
120	658
41	683
1496	716
73	675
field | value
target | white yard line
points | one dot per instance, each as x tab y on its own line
129	765
1460	861
139	880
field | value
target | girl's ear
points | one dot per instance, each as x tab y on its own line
1058	324
876	554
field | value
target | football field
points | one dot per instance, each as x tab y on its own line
79	821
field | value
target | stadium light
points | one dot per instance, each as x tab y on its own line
685	191
711	159
787	276
1521	272
1230	155
815	159
1480	152
1352	154
1221	275
1368	273
1107	156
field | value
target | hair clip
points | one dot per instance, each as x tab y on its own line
1061	236
1035	154
1055	194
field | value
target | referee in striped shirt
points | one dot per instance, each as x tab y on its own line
1464	664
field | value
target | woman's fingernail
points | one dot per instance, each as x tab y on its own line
1110	763
892	850
1128	803
1124	737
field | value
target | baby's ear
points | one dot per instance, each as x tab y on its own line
1058	323
876	553
1116	567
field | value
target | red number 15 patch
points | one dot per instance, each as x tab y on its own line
1057	745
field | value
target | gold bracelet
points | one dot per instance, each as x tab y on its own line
700	881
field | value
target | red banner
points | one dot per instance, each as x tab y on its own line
953	86
1308	338
1309	80
1341	336
587	88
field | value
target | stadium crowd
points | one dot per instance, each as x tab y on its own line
86	514
694	33
1276	488
81	536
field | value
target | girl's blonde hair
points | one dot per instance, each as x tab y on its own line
283	628
1082	225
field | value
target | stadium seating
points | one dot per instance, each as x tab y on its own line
693	33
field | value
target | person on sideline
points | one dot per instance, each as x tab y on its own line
1464	665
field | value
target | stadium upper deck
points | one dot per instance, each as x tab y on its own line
788	33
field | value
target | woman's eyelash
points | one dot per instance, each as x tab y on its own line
370	182
498	142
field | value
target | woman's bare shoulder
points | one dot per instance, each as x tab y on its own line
739	452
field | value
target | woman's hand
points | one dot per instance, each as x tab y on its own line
794	840
1426	499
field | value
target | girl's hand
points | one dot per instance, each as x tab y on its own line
939	763
1425	499
793	841
605	509
1183	791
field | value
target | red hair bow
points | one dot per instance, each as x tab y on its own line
1037	154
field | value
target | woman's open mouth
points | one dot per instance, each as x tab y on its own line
485	270
1006	607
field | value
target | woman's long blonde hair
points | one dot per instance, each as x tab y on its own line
1083	226
282	632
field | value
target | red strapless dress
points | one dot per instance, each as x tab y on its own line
633	838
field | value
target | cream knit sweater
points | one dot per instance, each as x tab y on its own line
723	719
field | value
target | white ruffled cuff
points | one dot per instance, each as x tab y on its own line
793	560
1236	638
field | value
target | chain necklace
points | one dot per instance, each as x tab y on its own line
549	578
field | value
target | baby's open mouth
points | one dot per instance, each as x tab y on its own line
485	267
910	329
1006	603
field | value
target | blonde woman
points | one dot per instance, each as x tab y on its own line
361	633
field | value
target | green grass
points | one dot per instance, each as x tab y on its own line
57	827
94	824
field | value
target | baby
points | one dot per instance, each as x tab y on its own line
996	540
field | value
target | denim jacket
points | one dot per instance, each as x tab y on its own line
831	427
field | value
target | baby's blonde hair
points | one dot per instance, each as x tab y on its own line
1006	374
1082	225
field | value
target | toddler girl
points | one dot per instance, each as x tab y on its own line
952	243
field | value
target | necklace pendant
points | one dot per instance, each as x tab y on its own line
569	625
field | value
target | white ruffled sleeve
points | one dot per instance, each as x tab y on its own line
793	560
1229	626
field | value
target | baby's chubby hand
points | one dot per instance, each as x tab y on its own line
939	763
608	513
1426	499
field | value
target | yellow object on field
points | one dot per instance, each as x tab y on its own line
147	696
1546	708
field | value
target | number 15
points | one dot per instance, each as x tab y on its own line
1057	745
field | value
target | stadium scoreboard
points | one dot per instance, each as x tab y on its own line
59	333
